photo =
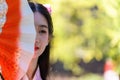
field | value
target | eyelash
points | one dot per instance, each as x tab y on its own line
42	31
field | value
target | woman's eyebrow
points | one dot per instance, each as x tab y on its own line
43	26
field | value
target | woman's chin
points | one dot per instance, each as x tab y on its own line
36	55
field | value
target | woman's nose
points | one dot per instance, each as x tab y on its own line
37	40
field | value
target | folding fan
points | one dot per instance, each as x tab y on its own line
17	39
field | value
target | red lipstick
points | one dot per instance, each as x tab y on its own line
36	48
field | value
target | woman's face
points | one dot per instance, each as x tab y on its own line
42	33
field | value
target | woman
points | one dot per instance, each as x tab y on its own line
44	33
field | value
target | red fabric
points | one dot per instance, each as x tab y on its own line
108	66
9	41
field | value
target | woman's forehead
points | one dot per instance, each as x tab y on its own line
39	19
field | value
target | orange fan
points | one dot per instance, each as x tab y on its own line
17	40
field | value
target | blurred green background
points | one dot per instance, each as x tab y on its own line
86	32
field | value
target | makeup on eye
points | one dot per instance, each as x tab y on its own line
42	29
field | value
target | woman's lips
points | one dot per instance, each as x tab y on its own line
36	48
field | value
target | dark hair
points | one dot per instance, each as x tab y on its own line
1	76
43	61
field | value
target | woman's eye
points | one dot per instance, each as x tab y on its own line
42	31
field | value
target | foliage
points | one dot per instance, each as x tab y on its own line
90	76
85	29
